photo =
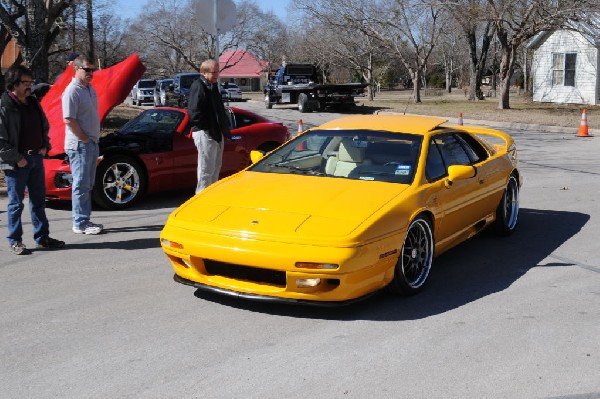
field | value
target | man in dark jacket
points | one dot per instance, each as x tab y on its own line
209	122
23	145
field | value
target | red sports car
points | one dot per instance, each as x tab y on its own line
155	152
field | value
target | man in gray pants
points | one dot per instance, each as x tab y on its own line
209	122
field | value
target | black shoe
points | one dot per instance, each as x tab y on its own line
49	242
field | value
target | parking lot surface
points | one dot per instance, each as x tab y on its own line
514	317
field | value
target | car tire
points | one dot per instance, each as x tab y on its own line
268	103
303	103
415	260
120	182
508	209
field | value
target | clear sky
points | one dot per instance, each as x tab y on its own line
131	8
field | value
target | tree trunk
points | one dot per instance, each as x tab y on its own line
506	70
369	78
477	62
90	30
416	80
33	45
448	75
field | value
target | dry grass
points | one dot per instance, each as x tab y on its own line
120	115
523	110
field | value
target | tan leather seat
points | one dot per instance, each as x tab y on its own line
346	160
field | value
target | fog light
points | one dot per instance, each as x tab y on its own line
307	282
313	265
171	244
63	180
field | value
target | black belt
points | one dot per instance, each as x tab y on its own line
32	152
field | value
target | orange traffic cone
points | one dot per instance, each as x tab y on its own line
460	119
302	146
583	127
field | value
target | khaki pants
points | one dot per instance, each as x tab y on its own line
210	158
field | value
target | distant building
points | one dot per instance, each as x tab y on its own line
565	67
10	54
243	69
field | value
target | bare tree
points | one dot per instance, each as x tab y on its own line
109	36
517	21
472	16
451	52
409	28
172	25
33	24
267	38
90	28
340	29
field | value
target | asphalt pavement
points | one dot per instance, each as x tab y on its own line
514	317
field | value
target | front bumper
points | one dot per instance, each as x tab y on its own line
146	98
58	179
266	270
266	298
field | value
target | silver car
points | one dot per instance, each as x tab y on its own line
143	91
231	92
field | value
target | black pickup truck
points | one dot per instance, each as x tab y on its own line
298	84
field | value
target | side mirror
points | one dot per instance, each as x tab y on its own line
459	172
256	156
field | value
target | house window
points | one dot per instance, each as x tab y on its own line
563	69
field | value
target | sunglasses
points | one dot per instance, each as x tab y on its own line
88	70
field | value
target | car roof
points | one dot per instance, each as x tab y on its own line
391	123
187	73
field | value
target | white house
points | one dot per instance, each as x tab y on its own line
566	67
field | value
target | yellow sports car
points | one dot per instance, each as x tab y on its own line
343	210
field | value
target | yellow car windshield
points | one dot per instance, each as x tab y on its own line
350	154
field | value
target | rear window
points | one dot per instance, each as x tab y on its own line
306	70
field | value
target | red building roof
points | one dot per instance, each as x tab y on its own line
241	64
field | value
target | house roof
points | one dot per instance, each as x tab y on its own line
590	30
241	64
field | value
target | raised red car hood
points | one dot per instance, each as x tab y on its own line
112	86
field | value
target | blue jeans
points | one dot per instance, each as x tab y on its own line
83	168
32	177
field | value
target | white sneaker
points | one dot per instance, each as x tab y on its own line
89	228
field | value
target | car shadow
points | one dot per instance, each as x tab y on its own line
128	245
481	266
169	199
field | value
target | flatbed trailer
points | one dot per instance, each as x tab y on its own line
296	84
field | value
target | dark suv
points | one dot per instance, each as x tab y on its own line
177	93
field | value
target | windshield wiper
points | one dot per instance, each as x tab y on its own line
296	168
